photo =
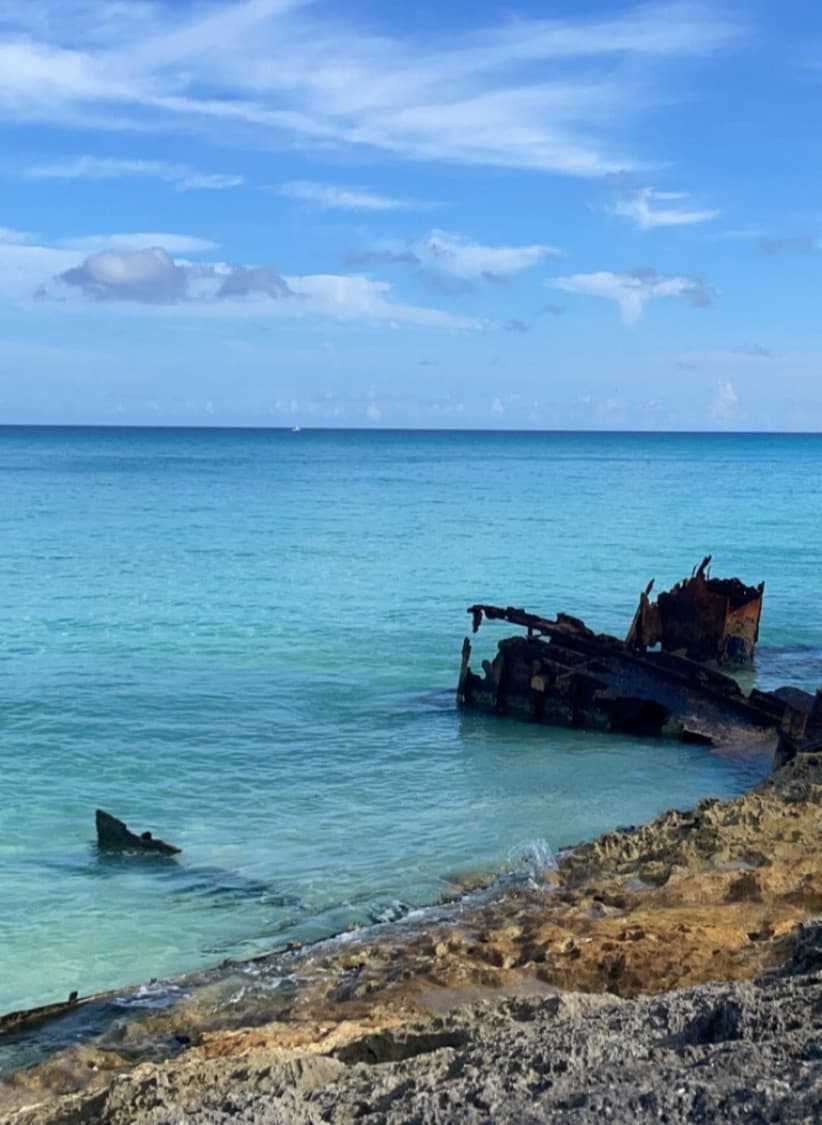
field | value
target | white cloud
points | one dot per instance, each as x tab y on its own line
136	275
38	79
172	243
287	405
24	269
453	254
351	297
334	197
11	237
180	176
148	279
722	407
648	208
549	94
631	291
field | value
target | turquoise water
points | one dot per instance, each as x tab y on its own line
247	641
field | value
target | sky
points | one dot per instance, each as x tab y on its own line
571	214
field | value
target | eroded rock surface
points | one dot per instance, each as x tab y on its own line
716	894
747	1051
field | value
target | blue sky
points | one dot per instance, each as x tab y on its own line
586	214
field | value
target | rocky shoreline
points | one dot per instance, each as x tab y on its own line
746	1051
592	995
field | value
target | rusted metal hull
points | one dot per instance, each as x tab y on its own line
563	674
706	619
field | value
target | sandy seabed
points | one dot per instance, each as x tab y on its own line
671	972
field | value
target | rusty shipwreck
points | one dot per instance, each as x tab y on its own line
561	673
704	618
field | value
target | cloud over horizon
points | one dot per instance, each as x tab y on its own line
631	291
723	404
151	278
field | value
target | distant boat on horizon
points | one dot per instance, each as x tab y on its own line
296	429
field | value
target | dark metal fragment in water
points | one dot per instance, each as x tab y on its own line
114	835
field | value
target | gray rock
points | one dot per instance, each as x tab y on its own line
732	1052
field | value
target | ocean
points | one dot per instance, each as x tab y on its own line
247	642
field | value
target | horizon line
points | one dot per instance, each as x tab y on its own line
297	428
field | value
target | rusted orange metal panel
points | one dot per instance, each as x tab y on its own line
706	619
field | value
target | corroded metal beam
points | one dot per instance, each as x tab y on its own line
562	673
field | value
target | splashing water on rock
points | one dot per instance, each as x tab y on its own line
532	862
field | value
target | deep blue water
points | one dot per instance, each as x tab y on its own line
247	641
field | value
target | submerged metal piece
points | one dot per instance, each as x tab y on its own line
114	835
28	1018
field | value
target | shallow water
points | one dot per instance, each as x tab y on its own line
246	641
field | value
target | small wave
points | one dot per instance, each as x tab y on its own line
532	862
154	996
389	912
